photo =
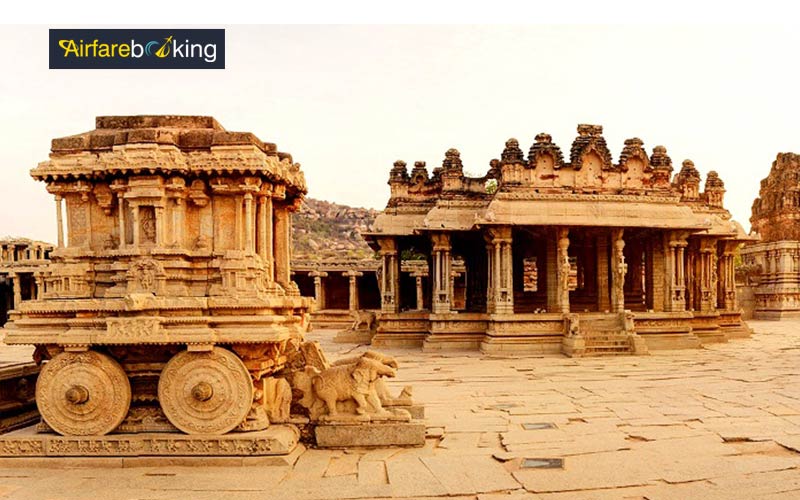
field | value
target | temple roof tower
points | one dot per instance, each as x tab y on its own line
776	212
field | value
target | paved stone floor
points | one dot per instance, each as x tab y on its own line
718	423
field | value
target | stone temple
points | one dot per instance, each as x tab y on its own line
167	305
774	261
562	252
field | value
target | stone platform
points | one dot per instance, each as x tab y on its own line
277	440
371	435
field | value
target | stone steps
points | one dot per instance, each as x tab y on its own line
606	342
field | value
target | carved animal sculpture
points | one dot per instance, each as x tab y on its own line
367	318
352	381
382	391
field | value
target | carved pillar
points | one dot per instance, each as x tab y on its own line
39	286
707	273
353	289
490	274
420	293
726	296
123	240
265	233
674	278
136	228
442	293
618	271
603	298
390	275
59	221
282	246
319	287
501	275
160	226
238	223
249	242
563	269
17	285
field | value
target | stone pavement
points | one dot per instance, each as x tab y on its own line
717	423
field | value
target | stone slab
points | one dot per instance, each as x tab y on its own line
371	434
276	440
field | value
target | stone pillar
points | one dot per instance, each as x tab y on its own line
319	288
502	271
136	229
490	286
17	285
707	273
121	215
249	241
563	269
727	277
265	238
603	298
618	271
390	275
353	289
420	293
160	226
39	286
238	224
282	246
441	273
178	222
59	221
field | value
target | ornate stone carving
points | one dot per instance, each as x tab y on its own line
205	392
83	393
348	390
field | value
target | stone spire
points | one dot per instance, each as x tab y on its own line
714	189
590	138
399	172
452	162
419	172
452	170
661	164
633	149
512	153
688	181
776	212
544	146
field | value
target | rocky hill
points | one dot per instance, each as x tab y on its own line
329	231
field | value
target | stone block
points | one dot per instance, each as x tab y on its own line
371	434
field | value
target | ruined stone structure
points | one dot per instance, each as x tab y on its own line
22	263
167	305
339	288
771	266
563	251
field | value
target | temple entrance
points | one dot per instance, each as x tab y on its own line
337	291
470	275
369	295
529	254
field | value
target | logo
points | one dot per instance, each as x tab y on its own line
137	49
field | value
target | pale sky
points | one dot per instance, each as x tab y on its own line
347	101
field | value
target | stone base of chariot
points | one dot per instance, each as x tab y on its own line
276	445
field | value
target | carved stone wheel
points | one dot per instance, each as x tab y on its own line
205	392
83	393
